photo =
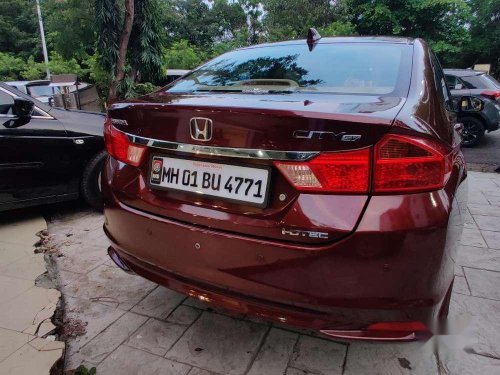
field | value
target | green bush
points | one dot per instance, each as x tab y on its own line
10	67
182	55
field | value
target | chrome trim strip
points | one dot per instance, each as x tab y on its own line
223	151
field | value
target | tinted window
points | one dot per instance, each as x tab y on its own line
356	68
451	81
6	102
482	81
41	91
440	80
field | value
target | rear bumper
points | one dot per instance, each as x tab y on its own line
396	267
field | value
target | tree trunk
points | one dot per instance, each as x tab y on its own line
122	51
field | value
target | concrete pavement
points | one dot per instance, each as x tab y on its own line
26	344
123	324
485	157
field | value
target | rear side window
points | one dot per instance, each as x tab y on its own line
343	68
481	81
441	86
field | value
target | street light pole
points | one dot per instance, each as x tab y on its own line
42	34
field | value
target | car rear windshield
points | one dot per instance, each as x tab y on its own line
345	68
481	81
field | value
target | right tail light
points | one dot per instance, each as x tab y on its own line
407	164
401	164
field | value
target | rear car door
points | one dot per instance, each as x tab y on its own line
34	158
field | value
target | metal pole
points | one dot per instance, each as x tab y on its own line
42	34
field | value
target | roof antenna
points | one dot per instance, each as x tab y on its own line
312	38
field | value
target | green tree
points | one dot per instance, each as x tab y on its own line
338	28
254	12
69	27
10	67
182	55
19	28
146	41
129	43
292	19
201	23
485	35
57	65
442	23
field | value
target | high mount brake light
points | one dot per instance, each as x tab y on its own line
402	164
119	146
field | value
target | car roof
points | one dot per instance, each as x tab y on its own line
463	72
341	39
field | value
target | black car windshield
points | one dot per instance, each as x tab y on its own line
481	81
381	69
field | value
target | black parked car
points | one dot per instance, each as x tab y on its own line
47	154
486	92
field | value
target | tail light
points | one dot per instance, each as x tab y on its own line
491	94
340	172
119	146
409	164
402	164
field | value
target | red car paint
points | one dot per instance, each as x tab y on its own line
383	268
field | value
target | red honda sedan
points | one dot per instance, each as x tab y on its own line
317	183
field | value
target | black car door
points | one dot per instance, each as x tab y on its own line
34	158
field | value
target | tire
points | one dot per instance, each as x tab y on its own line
91	184
473	131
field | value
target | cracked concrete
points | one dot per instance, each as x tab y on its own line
123	324
26	343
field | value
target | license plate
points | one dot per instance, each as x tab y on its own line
226	181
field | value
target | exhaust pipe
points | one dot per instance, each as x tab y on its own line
119	261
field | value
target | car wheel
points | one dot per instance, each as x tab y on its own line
473	131
91	181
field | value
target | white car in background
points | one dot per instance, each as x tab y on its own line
38	89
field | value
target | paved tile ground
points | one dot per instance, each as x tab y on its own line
123	324
26	344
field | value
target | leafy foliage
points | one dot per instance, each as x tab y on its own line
145	46
203	25
442	23
182	55
292	19
69	27
10	66
484	34
19	28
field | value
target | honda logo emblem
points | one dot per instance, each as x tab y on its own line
201	128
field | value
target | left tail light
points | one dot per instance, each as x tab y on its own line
119	146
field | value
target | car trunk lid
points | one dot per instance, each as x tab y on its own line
288	124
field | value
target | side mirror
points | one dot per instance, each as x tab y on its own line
470	104
51	101
22	109
459	86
